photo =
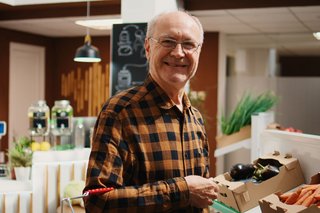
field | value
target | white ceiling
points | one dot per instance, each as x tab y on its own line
289	29
55	27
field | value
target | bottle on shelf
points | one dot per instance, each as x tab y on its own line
79	134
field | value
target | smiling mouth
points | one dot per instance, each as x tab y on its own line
175	65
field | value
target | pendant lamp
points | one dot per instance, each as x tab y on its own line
87	52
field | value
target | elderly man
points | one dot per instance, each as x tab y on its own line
149	143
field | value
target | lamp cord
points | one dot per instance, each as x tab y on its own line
88	15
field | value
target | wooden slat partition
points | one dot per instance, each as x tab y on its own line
16	202
50	180
87	89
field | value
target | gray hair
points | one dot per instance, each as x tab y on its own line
152	23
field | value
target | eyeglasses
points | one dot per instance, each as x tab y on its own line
187	46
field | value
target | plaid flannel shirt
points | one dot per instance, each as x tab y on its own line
144	146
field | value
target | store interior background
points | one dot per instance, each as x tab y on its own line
266	45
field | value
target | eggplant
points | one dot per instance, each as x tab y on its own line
265	172
241	171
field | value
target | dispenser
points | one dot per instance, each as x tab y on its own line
62	114
38	114
61	125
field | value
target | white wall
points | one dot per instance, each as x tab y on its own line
26	85
299	104
253	62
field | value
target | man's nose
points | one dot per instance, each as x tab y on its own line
178	50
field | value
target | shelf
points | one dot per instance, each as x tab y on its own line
285	135
61	155
14	186
233	147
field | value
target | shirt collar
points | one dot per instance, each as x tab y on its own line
161	97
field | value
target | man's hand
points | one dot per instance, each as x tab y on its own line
202	191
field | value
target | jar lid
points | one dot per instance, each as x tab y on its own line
62	103
41	103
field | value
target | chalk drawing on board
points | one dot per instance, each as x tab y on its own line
126	46
129	66
125	80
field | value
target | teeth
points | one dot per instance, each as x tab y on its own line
175	65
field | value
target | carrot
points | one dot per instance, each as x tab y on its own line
306	195
292	198
301	199
317	190
283	197
311	186
302	193
316	193
299	190
308	201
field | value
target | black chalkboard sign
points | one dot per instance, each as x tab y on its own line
128	61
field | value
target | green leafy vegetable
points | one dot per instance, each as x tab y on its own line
246	107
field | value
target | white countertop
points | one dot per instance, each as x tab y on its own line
8	185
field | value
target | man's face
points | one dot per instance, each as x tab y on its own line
170	66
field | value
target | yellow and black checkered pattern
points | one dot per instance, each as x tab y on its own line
143	145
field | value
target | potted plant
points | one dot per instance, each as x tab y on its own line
20	158
237	126
197	99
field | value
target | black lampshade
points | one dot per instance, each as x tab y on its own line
87	52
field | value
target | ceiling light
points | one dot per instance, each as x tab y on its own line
87	52
99	24
317	35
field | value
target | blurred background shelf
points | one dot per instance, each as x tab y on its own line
233	147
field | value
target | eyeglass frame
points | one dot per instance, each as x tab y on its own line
190	51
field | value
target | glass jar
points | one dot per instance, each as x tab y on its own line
61	115
79	134
38	115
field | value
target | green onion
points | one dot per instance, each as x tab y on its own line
246	107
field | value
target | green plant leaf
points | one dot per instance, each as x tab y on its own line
20	155
246	107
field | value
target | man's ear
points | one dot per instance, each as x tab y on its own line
147	48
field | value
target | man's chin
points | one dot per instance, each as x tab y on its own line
178	79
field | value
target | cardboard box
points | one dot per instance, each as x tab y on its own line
243	196
225	140
272	203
